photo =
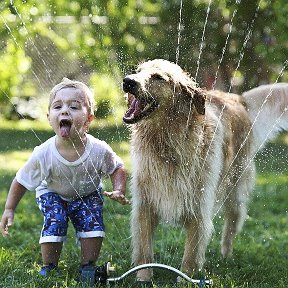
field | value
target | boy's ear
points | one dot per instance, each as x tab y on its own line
88	122
91	117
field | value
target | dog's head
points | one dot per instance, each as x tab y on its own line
155	85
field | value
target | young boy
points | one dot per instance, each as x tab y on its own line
66	172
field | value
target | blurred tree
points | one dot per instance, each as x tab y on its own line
232	45
71	38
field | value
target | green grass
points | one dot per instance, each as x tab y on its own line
260	256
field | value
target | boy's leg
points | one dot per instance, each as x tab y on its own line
87	217
54	227
90	250
51	252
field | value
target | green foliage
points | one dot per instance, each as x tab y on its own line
233	45
13	64
106	94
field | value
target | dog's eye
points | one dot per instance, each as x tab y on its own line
157	76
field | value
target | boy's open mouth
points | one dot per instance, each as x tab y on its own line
65	126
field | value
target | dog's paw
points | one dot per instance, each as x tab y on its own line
144	275
143	283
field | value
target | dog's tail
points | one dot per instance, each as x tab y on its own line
268	110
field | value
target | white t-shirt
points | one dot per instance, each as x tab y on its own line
47	171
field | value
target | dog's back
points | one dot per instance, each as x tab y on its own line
267	107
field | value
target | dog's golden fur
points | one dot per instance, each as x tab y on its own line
191	156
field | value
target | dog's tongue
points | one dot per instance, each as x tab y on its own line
65	130
134	109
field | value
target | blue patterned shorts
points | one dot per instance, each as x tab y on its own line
85	214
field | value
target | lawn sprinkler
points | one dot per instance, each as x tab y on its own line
100	274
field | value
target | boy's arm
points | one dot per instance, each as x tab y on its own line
118	179
15	194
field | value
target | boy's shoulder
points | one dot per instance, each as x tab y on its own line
43	147
97	143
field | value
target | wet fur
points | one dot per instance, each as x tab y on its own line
191	157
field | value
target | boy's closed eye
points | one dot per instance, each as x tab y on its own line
74	107
56	105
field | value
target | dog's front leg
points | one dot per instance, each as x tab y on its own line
198	235
143	225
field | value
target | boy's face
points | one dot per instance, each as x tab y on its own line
68	114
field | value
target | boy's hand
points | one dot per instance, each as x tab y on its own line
118	196
6	221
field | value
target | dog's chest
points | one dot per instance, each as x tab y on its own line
166	154
166	185
169	173
170	169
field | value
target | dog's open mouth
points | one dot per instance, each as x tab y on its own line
65	127
139	108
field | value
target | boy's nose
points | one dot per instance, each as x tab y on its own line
64	110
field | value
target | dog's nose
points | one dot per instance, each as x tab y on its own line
129	84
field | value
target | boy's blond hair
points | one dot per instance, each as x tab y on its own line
66	83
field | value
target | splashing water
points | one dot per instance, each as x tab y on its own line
198	60
225	45
202	40
247	38
30	40
17	44
179	32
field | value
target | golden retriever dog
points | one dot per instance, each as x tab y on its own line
192	154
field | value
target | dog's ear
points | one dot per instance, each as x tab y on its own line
199	101
198	98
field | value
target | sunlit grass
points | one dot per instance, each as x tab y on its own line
267	179
25	125
13	160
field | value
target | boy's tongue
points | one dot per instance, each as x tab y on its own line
65	129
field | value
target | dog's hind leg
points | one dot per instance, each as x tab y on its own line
234	218
235	210
143	223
